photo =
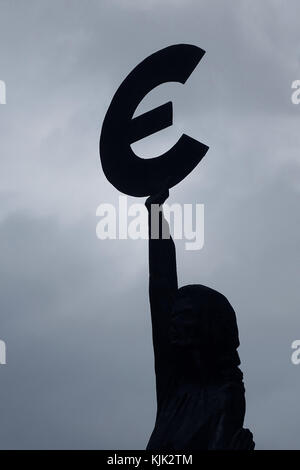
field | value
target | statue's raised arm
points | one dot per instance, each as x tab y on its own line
162	286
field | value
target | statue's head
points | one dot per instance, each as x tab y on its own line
204	332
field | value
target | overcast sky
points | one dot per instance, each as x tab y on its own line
74	309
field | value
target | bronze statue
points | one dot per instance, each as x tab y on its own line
199	386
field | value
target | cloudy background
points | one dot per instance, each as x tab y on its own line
74	309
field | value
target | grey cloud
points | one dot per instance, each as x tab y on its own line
74	310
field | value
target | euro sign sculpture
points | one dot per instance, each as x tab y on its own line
129	173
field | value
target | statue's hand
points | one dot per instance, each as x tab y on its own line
160	197
242	440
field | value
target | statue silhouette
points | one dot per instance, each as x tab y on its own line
199	386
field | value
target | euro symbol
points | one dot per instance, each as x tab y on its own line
129	173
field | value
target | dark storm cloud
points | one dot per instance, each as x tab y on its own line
74	310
